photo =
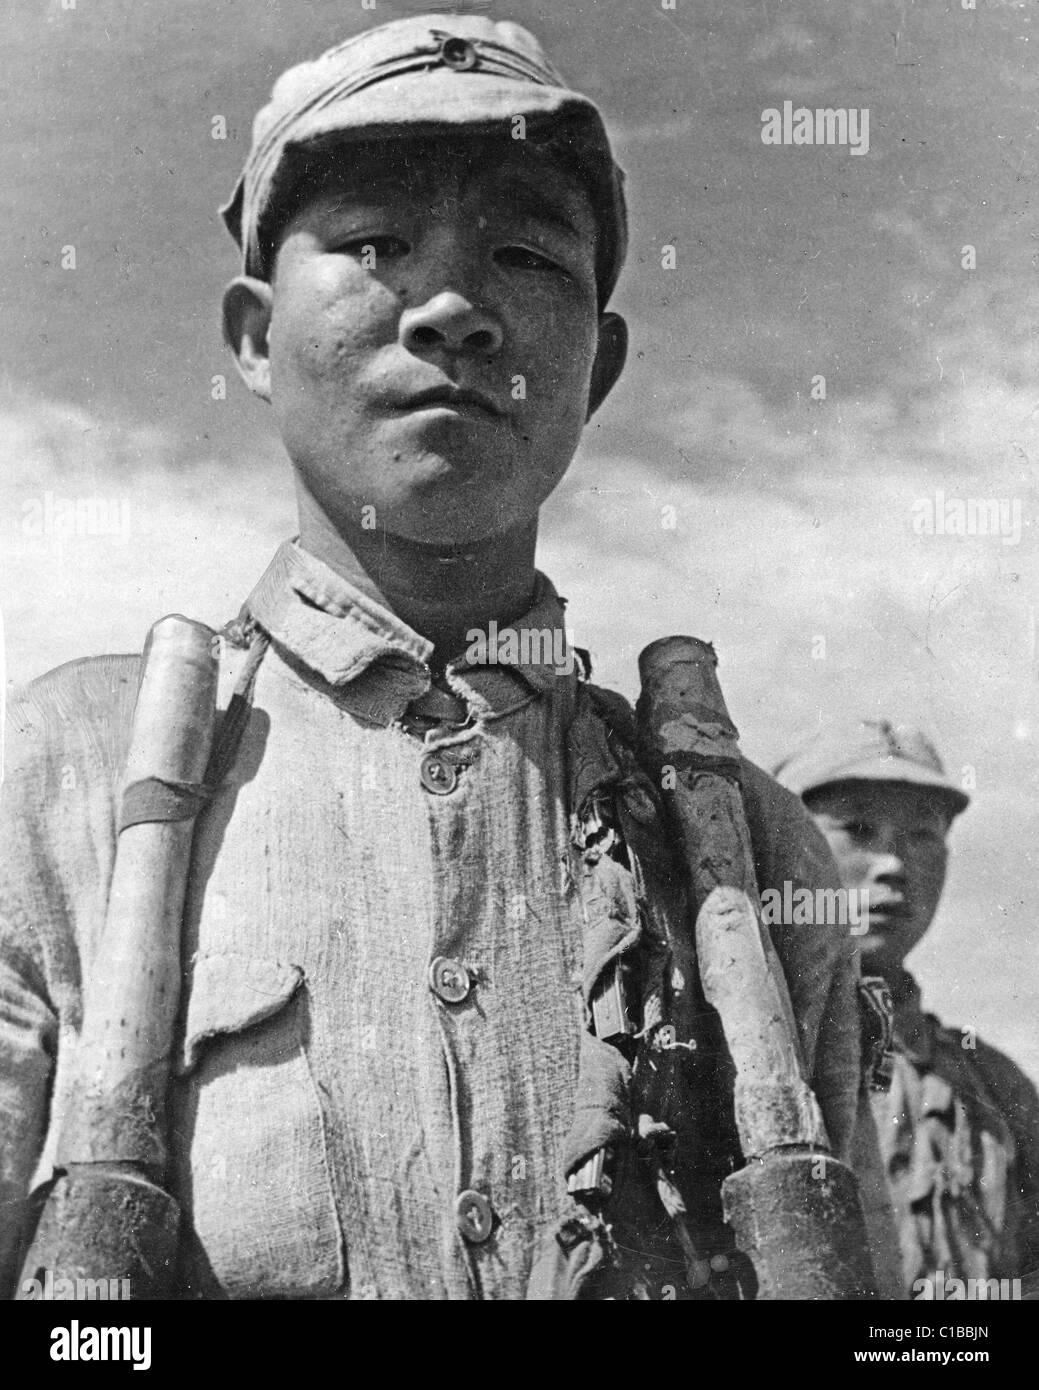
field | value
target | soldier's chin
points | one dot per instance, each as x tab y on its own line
878	951
451	500
458	468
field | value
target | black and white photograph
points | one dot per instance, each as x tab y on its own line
518	661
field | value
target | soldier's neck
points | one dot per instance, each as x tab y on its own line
441	592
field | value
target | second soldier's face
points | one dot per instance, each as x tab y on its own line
889	842
432	337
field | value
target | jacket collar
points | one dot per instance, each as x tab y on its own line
377	662
914	1029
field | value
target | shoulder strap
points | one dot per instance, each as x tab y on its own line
240	658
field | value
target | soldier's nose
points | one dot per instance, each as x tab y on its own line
888	862
889	869
450	323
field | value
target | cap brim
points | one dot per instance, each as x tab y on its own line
439	97
896	770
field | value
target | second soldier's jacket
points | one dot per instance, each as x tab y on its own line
380	1078
959	1134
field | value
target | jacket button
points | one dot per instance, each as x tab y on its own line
438	776
458	54
474	1216
449	980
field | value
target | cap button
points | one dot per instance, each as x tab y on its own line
458	54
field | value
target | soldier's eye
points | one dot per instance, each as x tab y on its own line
857	829
523	258
373	249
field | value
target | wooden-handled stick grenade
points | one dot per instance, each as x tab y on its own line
794	1208
105	1214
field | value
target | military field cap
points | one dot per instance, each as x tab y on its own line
425	75
869	750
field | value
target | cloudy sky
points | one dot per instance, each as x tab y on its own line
793	546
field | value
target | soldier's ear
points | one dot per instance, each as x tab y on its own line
247	319
610	357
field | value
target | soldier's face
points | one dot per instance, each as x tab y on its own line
889	843
434	338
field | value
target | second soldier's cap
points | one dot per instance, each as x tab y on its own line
420	76
869	750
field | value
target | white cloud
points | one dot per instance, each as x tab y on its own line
104	528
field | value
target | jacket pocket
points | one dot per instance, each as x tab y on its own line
251	1152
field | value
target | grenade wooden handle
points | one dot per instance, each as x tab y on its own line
132	991
105	1215
686	726
793	1207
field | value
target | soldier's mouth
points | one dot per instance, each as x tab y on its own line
889	912
460	399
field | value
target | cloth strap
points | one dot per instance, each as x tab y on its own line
153	800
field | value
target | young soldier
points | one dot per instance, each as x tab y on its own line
959	1128
386	1082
